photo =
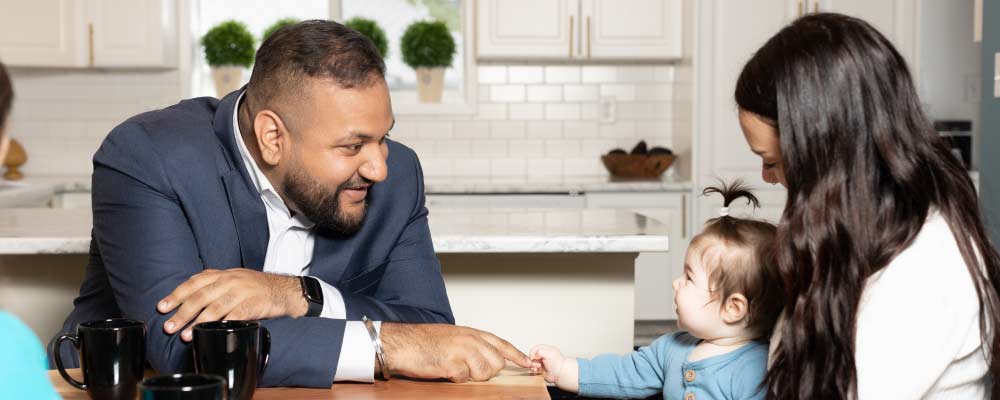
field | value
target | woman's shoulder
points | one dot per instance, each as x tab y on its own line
932	258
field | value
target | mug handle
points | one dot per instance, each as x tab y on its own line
265	348
59	362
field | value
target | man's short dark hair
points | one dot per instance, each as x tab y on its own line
312	49
6	95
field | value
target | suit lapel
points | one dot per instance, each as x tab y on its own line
248	210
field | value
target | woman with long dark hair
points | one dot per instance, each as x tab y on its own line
890	281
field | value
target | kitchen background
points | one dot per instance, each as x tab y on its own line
534	99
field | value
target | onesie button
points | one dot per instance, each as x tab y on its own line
690	375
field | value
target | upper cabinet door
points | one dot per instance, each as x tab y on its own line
42	33
896	19
527	29
631	29
130	33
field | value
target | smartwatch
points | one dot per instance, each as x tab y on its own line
313	292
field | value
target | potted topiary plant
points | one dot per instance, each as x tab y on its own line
281	23
374	32
229	49
428	48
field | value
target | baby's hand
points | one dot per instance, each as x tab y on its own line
547	360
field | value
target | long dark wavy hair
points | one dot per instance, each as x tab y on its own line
864	168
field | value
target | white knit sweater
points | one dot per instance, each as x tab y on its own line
918	333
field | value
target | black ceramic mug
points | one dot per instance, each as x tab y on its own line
235	350
183	387
112	357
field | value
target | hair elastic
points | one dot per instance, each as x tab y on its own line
724	212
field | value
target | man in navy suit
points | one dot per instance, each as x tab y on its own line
283	202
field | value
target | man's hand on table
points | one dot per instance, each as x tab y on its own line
236	294
457	353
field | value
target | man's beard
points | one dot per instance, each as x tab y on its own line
323	207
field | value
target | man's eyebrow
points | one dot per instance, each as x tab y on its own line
365	136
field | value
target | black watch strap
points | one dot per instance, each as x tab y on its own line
313	292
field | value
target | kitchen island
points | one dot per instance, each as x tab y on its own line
557	276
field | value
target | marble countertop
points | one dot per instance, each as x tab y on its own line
67	231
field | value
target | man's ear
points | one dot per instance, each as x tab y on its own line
735	308
271	136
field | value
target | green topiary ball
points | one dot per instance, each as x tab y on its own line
374	32
281	23
427	44
229	43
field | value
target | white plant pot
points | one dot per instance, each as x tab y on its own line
430	84
227	79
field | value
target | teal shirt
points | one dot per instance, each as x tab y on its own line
24	371
662	367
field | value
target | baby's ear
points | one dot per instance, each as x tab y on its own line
735	308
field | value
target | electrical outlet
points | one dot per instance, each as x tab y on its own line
607	108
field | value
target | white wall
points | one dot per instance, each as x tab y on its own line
949	80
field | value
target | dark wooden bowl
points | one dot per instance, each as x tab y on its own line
637	165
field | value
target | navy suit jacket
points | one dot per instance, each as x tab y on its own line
171	197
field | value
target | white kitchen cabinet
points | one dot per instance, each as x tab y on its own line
579	29
728	33
654	272
89	33
631	29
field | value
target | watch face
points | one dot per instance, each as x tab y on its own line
314	292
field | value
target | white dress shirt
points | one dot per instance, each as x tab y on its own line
289	252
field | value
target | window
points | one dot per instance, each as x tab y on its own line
393	16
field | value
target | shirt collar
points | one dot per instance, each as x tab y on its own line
260	182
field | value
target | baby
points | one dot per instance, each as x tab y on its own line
727	302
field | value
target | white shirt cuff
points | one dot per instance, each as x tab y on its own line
333	302
357	354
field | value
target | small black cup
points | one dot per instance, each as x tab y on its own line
112	357
183	387
235	350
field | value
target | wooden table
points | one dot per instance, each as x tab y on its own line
512	383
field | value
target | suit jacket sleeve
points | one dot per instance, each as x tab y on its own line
149	248
410	288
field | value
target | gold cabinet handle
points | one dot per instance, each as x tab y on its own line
570	36
588	36
90	42
816	7
800	8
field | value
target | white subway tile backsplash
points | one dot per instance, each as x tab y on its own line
437	166
526	148
508	167
491	111
472	167
545	168
562	148
583	166
654	92
492	74
544	129
590	111
622	92
597	147
484	93
507	130
599	74
620	129
527	111
580	129
507	93
544	93
562	111
562	74
490	148
635	73
453	147
472	129
581	92
434	129
636	111
423	147
663	73
525	74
